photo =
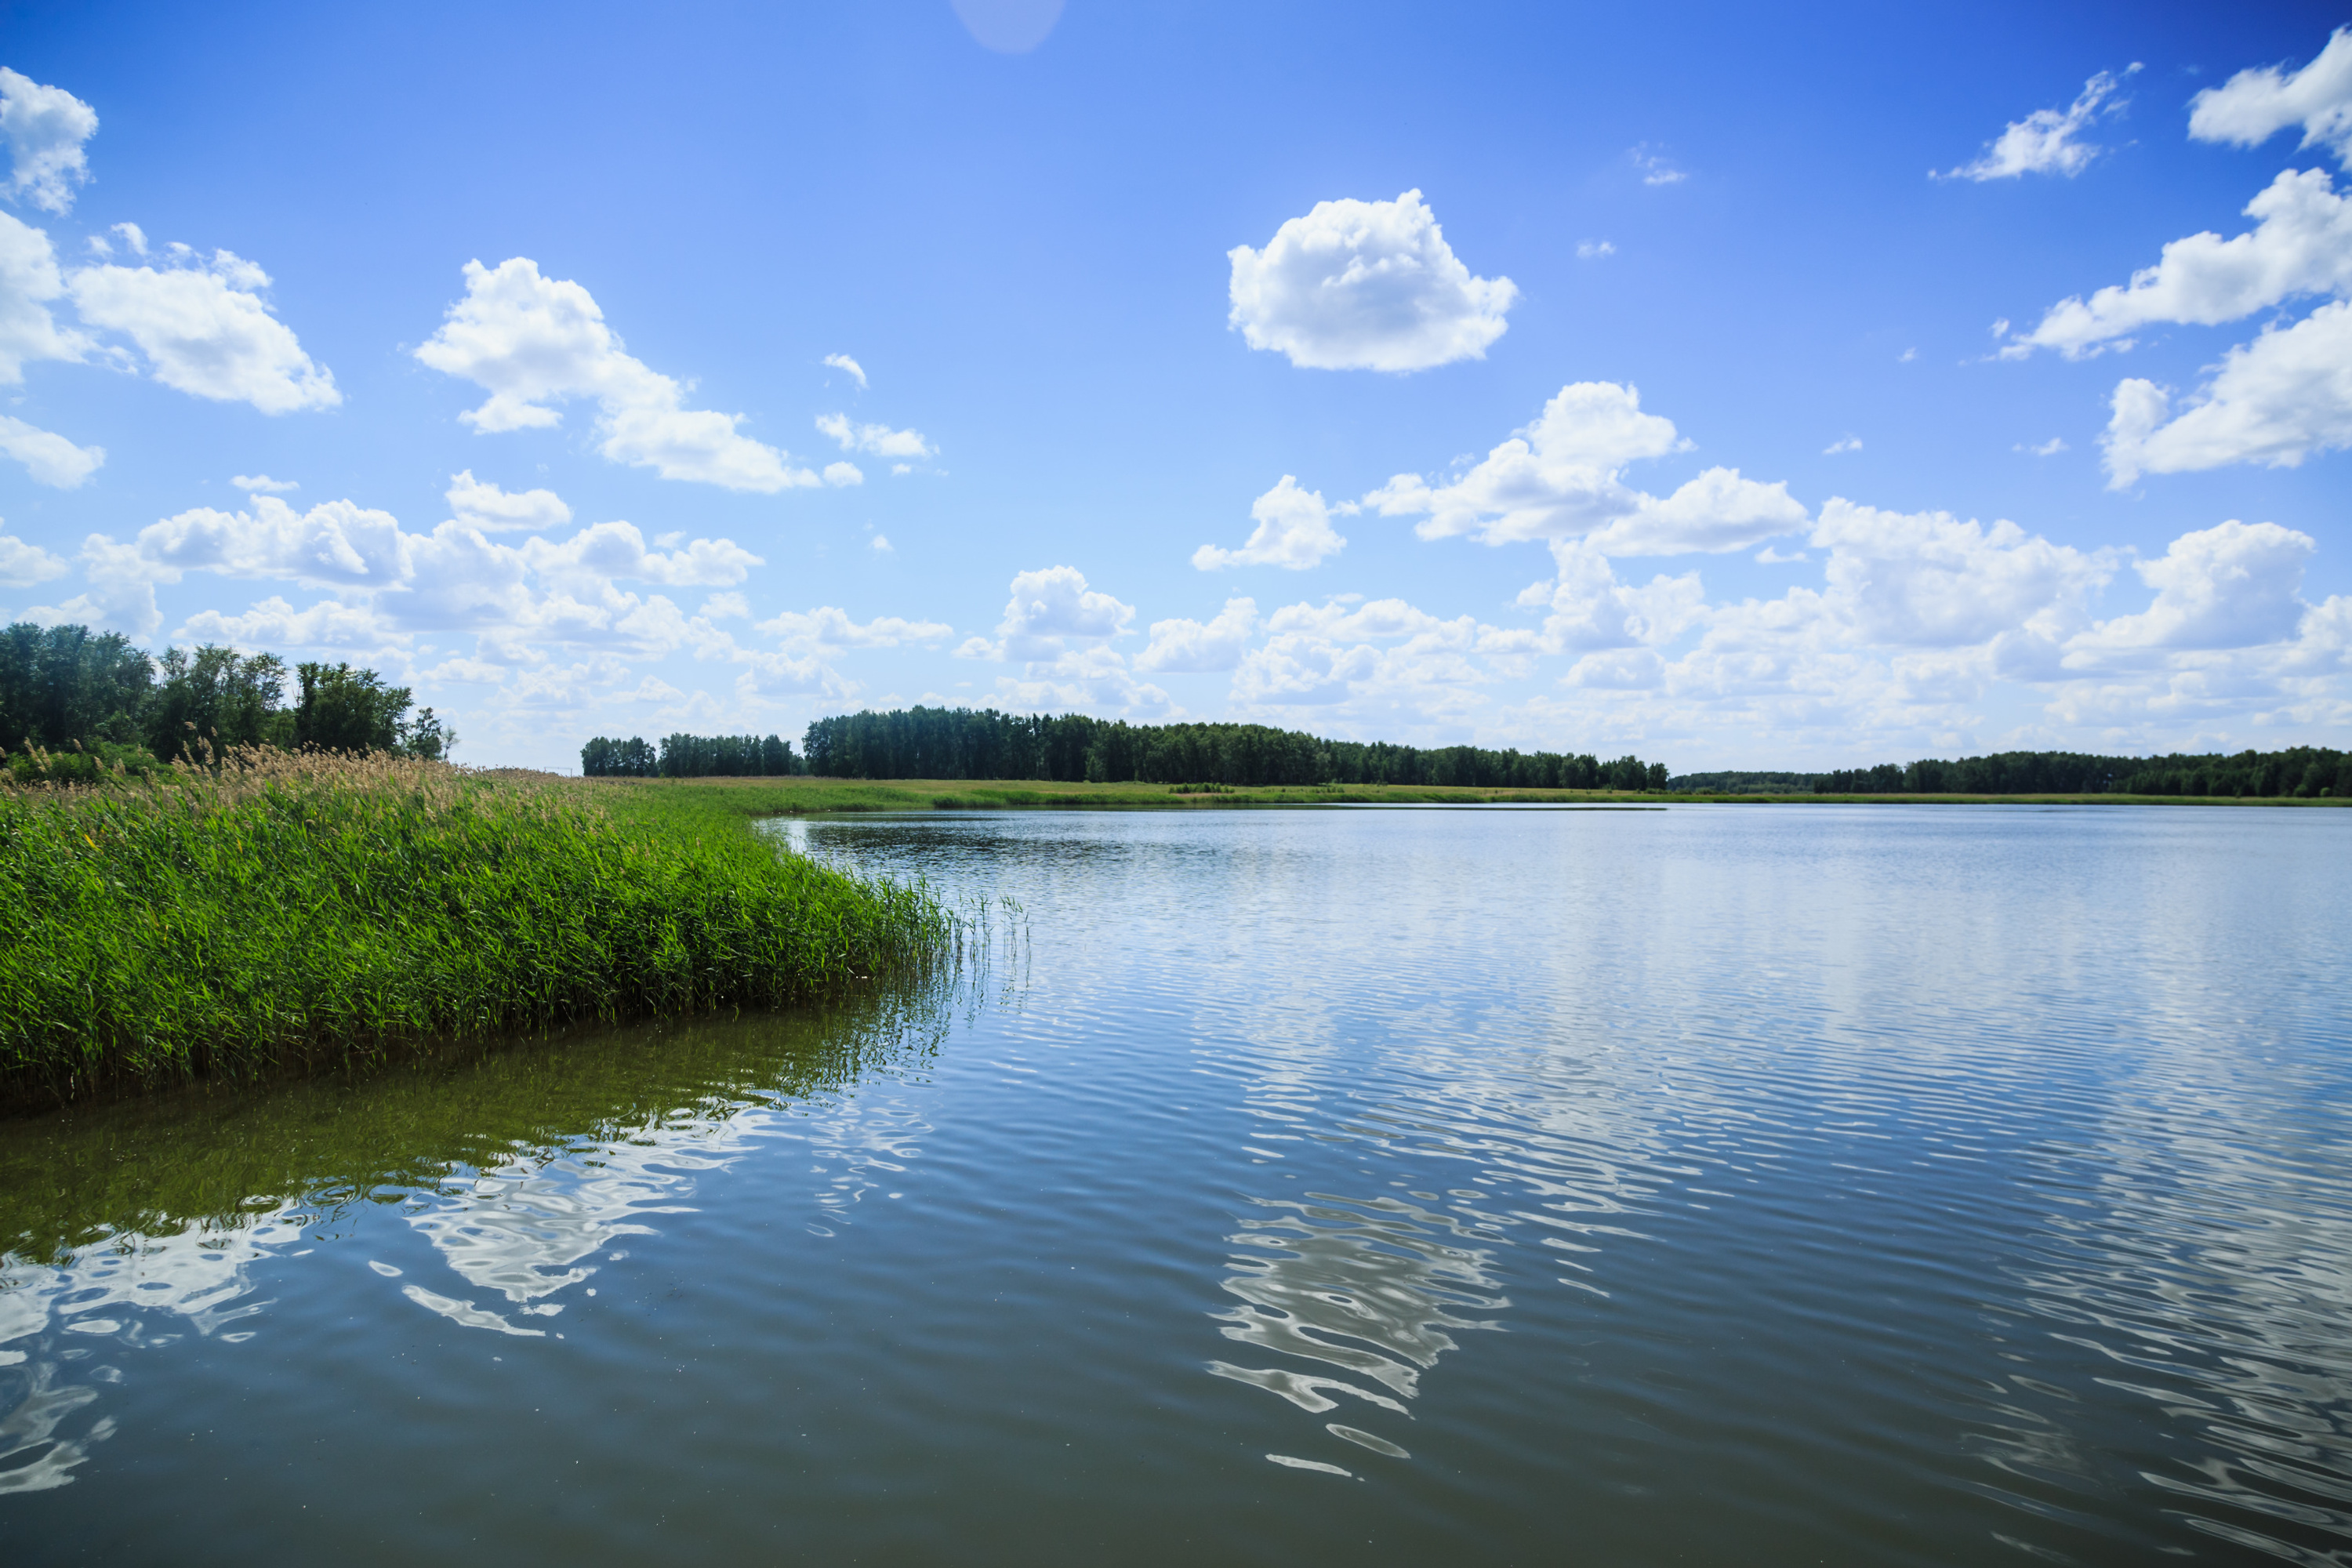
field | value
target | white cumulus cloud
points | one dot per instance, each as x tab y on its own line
2235	585
517	600
1385	655
878	439
264	483
849	367
1716	511
1932	580
2300	244
45	127
481	504
275	622
1294	530
616	550
2048	140
1657	169
827	627
1562	477
1050	610
1591	608
48	457
23	564
130	234
2276	401
1189	646
205	330
29	279
1365	286
532	342
2255	105
806	643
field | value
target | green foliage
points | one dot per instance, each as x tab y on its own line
690	757
68	690
347	710
296	907
63	684
2300	771
424	735
218	698
961	744
629	759
103	762
1744	784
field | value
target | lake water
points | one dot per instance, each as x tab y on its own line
1710	1184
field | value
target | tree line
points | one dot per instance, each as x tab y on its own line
1071	748
66	689
2305	772
690	757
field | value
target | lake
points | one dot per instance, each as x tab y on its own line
1712	1183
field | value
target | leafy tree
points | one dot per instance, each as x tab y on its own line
961	742
426	736
215	696
64	683
347	710
689	756
2307	771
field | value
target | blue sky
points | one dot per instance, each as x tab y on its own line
1680	380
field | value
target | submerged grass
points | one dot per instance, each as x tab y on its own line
287	907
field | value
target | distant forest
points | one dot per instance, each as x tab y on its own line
1744	784
69	689
965	743
2300	770
969	743
690	757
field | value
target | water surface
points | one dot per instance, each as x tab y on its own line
1711	1184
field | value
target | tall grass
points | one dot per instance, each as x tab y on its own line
282	906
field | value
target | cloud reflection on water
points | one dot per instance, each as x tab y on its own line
614	1136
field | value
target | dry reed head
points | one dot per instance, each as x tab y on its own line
209	781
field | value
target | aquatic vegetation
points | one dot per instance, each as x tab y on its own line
285	906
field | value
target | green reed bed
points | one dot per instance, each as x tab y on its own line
305	908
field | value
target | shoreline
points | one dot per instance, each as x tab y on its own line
811	796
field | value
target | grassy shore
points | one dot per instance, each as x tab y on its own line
313	908
715	799
795	796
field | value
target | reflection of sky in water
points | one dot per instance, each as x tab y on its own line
520	1231
128	1293
1370	1290
1992	1045
1846	1184
524	1228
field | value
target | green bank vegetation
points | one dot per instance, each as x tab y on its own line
746	799
229	916
806	796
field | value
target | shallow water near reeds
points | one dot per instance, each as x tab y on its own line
1714	1184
